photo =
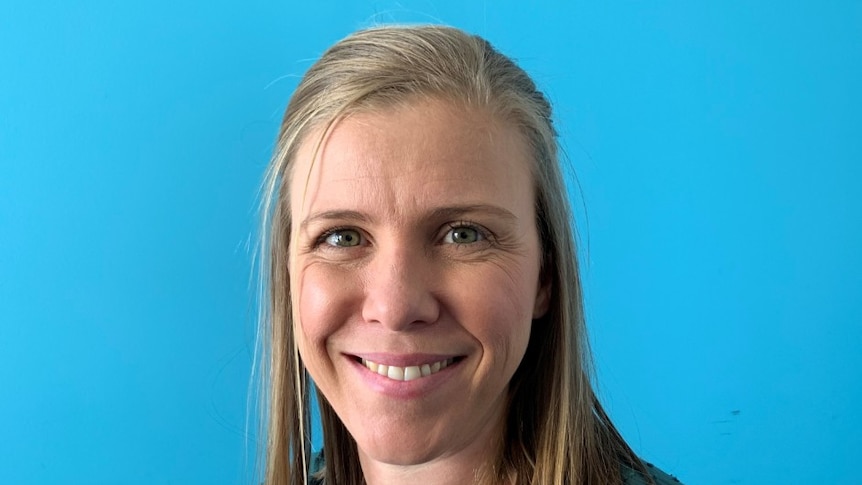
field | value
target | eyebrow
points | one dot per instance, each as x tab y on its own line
444	213
340	215
461	210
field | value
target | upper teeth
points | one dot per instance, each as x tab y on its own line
406	373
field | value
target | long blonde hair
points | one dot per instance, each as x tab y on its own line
556	430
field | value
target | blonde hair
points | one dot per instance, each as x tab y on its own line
556	430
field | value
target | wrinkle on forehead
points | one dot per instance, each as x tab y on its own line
402	158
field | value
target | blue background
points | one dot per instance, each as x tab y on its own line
717	148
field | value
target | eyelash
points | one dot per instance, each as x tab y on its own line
321	240
484	233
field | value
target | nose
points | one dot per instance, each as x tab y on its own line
399	289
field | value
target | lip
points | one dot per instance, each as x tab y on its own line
406	390
403	360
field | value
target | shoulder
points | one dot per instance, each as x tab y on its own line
631	477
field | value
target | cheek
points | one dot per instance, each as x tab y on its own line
498	311
321	303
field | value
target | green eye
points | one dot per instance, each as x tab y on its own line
344	238
463	235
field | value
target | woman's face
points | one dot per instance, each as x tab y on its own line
415	276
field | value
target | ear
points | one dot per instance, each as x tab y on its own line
543	299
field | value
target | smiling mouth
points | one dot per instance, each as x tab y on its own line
408	373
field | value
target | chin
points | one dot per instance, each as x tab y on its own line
402	456
397	446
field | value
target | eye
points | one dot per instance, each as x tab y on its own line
343	238
463	235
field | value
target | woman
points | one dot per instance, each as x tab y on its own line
423	274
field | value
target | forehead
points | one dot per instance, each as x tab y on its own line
415	156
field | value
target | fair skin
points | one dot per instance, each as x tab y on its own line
414	247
